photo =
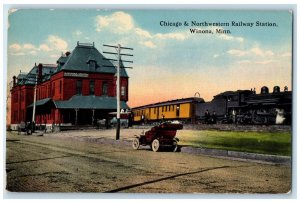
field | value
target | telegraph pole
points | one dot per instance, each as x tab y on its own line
118	66
34	99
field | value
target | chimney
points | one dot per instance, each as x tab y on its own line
40	71
14	80
68	53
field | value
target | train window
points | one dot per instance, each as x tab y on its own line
162	109
169	108
172	107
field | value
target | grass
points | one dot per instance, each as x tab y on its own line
275	143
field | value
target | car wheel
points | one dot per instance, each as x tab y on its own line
135	143
155	145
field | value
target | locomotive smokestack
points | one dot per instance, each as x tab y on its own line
276	89
264	90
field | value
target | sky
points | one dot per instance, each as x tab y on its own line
169	62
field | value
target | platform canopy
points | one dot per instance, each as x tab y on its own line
90	102
40	102
84	102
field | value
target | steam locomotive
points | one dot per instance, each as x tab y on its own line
248	107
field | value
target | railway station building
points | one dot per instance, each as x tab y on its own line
78	89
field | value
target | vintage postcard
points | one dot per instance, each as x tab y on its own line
195	101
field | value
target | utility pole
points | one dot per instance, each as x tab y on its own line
34	99
118	66
34	103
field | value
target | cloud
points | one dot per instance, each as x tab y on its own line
255	51
122	23
57	43
52	43
259	52
237	52
118	22
143	33
44	47
15	47
29	46
149	44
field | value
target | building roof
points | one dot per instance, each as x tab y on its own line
62	59
21	78
29	78
171	102
79	59
84	102
40	102
90	102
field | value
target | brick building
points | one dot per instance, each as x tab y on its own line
79	89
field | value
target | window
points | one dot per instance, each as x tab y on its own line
123	91
92	64
104	88
92	87
79	87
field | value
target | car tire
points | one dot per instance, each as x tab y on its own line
155	145
135	143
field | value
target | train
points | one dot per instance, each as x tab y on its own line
236	107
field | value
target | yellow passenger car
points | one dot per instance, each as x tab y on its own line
179	109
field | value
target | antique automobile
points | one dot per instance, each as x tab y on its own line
160	136
28	127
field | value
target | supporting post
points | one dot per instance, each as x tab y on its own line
118	95
34	105
34	100
76	111
93	116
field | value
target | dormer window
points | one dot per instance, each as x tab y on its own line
92	64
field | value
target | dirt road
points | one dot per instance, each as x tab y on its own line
61	164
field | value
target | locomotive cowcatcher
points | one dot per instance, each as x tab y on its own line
159	136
